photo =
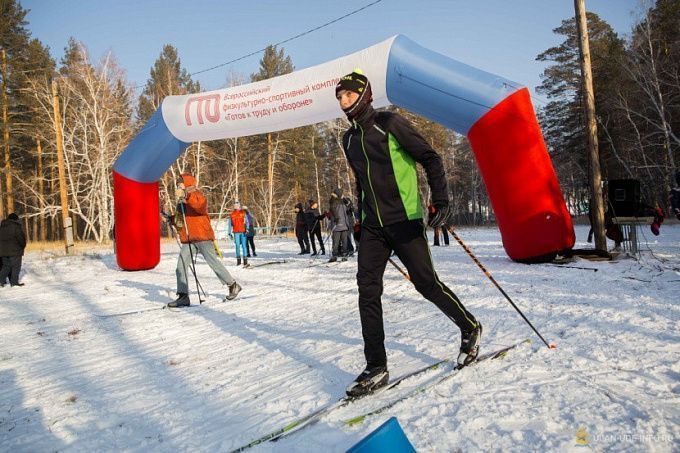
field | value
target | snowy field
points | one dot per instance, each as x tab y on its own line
216	376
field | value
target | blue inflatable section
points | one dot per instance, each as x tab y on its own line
151	152
442	89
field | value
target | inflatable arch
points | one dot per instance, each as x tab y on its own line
495	115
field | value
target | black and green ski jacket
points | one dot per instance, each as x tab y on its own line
382	149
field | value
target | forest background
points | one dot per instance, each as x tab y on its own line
637	96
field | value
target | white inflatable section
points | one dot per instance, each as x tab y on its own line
297	99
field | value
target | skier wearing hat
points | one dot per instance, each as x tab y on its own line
196	235
313	219
383	149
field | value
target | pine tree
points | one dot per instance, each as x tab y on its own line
562	118
166	78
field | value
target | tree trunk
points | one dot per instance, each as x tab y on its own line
597	202
5	135
41	192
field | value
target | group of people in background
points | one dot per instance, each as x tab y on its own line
342	221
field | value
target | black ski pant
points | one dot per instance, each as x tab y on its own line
316	232
250	244
303	240
11	267
445	233
409	242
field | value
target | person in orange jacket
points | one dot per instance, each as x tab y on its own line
237	228
196	235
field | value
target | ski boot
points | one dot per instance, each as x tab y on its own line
469	346
234	289
181	301
371	379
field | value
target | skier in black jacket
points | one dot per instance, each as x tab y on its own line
12	245
313	219
382	149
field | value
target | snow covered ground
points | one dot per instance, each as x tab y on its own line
216	376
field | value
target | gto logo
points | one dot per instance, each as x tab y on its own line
208	105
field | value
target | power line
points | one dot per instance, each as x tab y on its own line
284	41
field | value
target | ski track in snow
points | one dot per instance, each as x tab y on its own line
216	376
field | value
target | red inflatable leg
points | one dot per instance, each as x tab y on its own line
137	223
520	180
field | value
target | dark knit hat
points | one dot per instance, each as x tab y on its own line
358	83
13	216
354	81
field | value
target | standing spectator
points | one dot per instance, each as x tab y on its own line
383	149
349	207
237	226
441	232
12	245
301	230
675	196
196	235
438	231
250	233
313	219
341	223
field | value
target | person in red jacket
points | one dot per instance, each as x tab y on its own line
196	235
237	227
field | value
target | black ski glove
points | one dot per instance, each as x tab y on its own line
441	217
357	232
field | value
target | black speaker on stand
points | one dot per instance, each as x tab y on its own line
624	197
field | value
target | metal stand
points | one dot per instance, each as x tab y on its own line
629	225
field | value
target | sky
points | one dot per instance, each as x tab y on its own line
499	36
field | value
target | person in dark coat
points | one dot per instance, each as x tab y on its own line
250	233
349	207
675	196
382	149
341	224
313	220
301	231
12	245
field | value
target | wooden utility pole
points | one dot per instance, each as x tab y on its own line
66	220
596	199
5	136
270	180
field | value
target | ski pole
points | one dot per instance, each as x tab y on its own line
191	253
575	267
403	272
493	280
